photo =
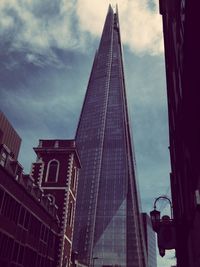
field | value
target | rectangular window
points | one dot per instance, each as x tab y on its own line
22	216
29	257
34	226
4	204
15	252
15	212
44	233
21	255
42	261
9	207
26	220
51	240
1	198
38	261
6	244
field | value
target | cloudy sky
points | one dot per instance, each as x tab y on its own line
46	53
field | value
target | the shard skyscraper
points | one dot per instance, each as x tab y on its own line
107	225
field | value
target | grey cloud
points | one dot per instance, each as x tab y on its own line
45	8
35	28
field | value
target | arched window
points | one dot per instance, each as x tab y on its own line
52	171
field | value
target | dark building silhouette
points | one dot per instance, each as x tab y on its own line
108	226
37	210
9	137
28	223
150	241
181	40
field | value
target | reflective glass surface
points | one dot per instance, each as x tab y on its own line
107	216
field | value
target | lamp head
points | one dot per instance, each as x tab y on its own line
162	252
155	219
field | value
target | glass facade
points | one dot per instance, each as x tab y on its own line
150	241
107	224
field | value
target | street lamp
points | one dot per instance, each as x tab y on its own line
155	219
164	227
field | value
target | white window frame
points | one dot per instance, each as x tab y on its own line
57	171
3	160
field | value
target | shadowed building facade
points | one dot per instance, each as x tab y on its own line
108	228
37	209
182	56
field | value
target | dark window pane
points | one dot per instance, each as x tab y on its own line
1	198
16	212
15	252
27	218
52	172
21	217
21	254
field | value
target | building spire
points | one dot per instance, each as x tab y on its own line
107	223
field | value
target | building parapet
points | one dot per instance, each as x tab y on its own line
56	143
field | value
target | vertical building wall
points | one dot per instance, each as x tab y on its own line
37	210
180	27
107	223
9	136
28	225
57	173
150	241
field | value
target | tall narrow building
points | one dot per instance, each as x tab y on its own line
107	224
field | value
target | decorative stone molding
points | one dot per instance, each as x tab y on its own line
65	210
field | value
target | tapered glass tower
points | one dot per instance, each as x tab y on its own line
107	225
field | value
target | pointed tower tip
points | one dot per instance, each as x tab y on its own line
116	8
113	8
110	8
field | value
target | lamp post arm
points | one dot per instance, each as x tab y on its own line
164	197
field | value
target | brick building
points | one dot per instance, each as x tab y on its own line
37	210
56	172
29	225
8	136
